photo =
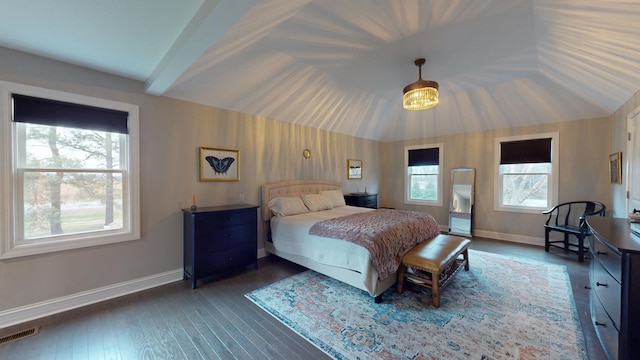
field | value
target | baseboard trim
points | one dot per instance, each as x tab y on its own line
530	240
50	307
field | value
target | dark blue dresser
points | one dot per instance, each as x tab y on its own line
219	240
614	278
362	200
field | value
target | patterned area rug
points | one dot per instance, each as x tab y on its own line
503	308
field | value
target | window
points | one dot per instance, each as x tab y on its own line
70	178
526	173
423	182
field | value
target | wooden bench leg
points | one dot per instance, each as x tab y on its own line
401	278
465	256
435	289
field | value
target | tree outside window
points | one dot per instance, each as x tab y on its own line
72	181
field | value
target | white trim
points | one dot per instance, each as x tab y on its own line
632	119
54	306
437	202
522	239
10	247
555	172
6	180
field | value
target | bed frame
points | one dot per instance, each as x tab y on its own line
300	187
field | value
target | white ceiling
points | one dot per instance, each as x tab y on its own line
340	65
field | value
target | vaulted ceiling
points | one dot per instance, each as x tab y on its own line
340	65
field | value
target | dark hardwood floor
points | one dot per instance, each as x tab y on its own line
216	321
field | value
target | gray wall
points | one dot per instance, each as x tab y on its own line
171	132
584	150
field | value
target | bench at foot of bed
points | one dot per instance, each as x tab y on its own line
432	264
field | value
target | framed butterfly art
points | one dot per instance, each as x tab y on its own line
219	164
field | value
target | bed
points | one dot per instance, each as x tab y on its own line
288	237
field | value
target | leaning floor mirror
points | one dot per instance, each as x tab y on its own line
461	205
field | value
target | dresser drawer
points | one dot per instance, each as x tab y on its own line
217	238
231	218
611	260
607	290
222	262
370	202
605	330
227	237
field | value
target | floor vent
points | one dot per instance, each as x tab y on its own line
19	335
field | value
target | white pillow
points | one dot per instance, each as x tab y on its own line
335	197
284	206
316	202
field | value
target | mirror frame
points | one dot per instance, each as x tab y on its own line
452	204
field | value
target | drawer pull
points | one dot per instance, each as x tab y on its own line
587	287
600	324
602	252
601	284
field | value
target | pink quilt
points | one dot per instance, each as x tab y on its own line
387	234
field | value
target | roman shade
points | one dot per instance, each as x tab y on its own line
525	151
41	111
424	157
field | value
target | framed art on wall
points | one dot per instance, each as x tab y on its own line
615	168
354	169
219	164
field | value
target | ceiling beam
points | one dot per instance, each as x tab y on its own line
213	19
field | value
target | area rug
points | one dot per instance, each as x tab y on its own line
503	308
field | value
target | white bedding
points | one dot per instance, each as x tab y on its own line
290	234
291	239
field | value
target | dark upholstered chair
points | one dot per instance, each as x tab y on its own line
569	219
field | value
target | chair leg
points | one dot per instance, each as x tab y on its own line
581	248
546	240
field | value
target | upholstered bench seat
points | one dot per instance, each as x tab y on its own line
433	263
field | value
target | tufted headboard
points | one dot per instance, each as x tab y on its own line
293	188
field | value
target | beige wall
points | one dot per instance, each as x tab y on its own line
170	133
584	150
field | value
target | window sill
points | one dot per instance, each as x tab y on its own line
15	251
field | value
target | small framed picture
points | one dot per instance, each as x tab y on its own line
354	169
219	164
615	168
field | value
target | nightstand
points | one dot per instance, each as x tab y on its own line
362	200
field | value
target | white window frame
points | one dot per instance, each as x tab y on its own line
552	195
407	179
10	203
